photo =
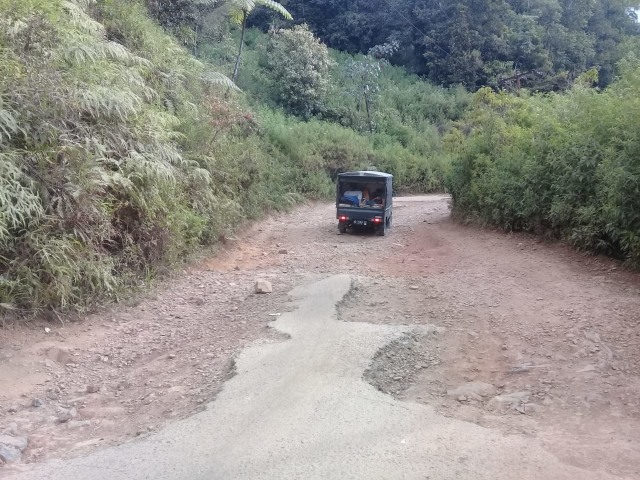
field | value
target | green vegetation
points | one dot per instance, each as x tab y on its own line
353	112
120	153
566	165
298	70
124	148
99	120
116	158
539	44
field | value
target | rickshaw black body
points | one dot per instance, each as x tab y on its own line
364	199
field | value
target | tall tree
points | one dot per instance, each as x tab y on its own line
299	64
364	75
240	12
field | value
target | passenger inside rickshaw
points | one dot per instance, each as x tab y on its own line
367	195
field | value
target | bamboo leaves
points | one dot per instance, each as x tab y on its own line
20	205
8	124
560	164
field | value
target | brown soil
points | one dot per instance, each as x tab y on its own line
518	314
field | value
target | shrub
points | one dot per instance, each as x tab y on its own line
561	164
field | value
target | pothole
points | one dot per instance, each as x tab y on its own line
396	366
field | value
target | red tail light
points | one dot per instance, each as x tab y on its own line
377	219
343	218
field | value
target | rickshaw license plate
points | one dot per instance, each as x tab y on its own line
359	222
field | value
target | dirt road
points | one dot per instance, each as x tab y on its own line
529	345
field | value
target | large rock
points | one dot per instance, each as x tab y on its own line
263	286
509	400
526	408
9	454
11	448
473	389
64	414
18	442
93	388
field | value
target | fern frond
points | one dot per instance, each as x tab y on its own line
80	53
162	121
217	78
116	181
136	82
108	102
276	7
241	8
165	154
244	5
143	167
200	176
119	52
81	19
84	3
172	79
237	14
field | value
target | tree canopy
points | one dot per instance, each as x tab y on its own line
543	44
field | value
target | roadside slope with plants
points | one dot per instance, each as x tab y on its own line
110	155
117	156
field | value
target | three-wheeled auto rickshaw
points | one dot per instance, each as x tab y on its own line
364	199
